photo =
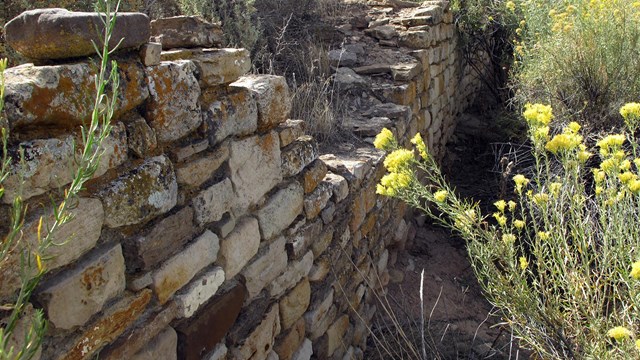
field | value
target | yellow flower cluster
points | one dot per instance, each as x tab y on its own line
399	160
635	270
619	333
537	115
385	140
567	141
520	181
440	195
610	144
420	146
508	239
523	263
392	182
631	114
465	221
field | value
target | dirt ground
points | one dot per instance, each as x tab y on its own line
459	322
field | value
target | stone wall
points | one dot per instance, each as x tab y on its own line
214	228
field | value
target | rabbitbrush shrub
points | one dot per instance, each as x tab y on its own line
561	258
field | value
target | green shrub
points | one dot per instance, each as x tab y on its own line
582	57
561	259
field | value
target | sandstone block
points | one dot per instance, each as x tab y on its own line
199	292
322	242
405	72
141	137
304	352
298	155
194	173
320	269
162	346
259	343
346	79
288	344
201	333
342	58
141	194
49	164
181	153
138	338
317	312
270	262
64	95
254	165
294	304
272	96
172	109
417	39
61	34
340	186
108	327
295	271
384	32
239	247
280	210
299	242
317	200
404	94
150	54
231	114
84	290
313	174
335	334
212	203
289	131
180	269
221	66
186	31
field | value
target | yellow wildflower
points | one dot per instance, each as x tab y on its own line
523	263
631	114
512	205
541	134
619	154
573	127
465	220
627	176
543	235
610	143
538	114
599	175
619	333
598	189
440	196
500	205
392	182
555	187
540	198
563	142
398	160
625	165
518	224
508	239
522	23
610	165
634	186
510	5
420	146
384	140
638	341
584	155
520	182
635	270
500	218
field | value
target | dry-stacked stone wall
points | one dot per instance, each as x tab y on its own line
213	227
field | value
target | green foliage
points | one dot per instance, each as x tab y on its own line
582	57
561	258
237	17
23	328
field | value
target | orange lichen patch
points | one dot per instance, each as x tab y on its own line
93	277
268	143
369	224
170	284
108	328
357	213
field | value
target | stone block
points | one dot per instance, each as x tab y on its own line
254	165
384	32
289	131
320	269
108	327
162	346
182	153
212	203
405	72
180	269
322	242
345	80
342	57
318	311
313	174
287	344
304	352
219	353
49	165
228	114
334	336
272	96
299	242
404	94
221	66
173	110
16	339
270	262
164	239
141	194
138	338
239	247
294	304
298	155
260	341
150	53
292	275
64	95
142	138
81	292
186	32
317	200
280	210
61	34
199	292
196	172
340	186
417	39
200	334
